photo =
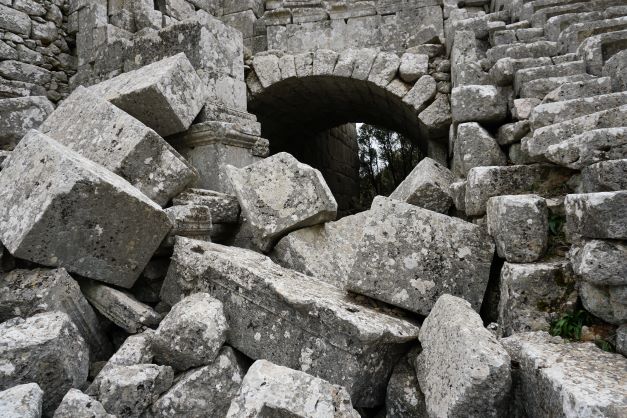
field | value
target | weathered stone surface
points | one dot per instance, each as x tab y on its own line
534	295
14	20
605	176
393	265
590	147
98	130
475	147
203	392
464	100
522	108
128	390
19	115
573	90
621	340
30	352
224	208
276	314
404	398
271	390
600	215
601	262
76	404
421	93
191	334
426	186
21	401
28	292
66	205
566	379
436	118
326	252
476	380
606	302
166	95
413	66
192	221
278	195
512	132
120	307
519	225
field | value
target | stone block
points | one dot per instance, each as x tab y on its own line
192	221
224	208
606	302
277	314
476	379
605	176
271	390
46	349
520	227
413	66
421	93
590	147
13	20
88	124
76	404
22	401
601	262
435	120
393	265
19	115
404	399
464	101
66	206
475	147
279	195
600	215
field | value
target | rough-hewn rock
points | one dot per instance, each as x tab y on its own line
606	302
404	398
76	404
597	215
393	265
21	401
19	115
601	262
271	390
475	147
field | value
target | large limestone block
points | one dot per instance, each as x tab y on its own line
272	391
292	319
60	209
76	404
462	370
19	115
606	302
99	131
325	251
427	186
204	392
597	215
605	176
21	401
45	349
166	95
409	257
278	195
465	100
534	295
561	379
224	208
520	226
475	147
601	262
590	147
28	292
192	221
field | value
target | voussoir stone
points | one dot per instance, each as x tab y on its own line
58	209
393	265
278	195
462	370
271	390
277	314
22	401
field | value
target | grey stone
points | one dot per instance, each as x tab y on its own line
28	292
126	391
404	398
541	87
192	221
413	66
605	302
392	264
476	380
566	379
590	147
19	115
427	186
421	93
271	390
166	95
464	100
86	123
503	71
512	132
621	340
534	295
30	353
458	193
14	20
436	118
384	68
224	208
203	392
28	73
22	401
76	404
475	147
278	195
522	108
191	334
66	206
601	262
520	226
277	314
525	75
120	307
573	90
605	176
600	215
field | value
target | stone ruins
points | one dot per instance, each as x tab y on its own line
178	232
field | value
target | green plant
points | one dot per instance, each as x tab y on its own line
569	326
605	345
556	224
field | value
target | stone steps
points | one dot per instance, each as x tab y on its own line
536	49
541	87
589	148
570	38
598	49
526	75
579	89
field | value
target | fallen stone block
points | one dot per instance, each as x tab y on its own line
120	307
435	120
22	401
606	302
191	334
413	66
326	252
393	265
601	262
426	186
464	100
192	221
128	391
476	380
590	147
522	108
534	295
520	227
421	93
511	133
88	124
224	207
557	378
404	399
278	195
76	404
19	115
203	392
276	314
271	390
45	349
66	204
25	293
605	176
475	147
166	95
597	215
